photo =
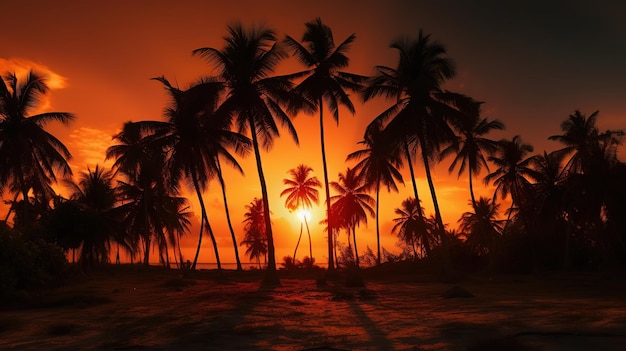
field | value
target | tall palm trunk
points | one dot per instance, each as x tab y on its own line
420	214
471	188
205	220
298	243
331	261
441	230
272	275
377	223
306	222
356	251
230	225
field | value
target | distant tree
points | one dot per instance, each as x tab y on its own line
482	227
413	229
514	173
378	165
471	145
352	202
100	224
254	227
30	157
324	81
301	192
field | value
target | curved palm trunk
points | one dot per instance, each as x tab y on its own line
306	222
377	224
230	225
420	214
298	243
205	220
272	275
356	252
442	235
331	261
471	187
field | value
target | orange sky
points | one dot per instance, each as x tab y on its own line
533	64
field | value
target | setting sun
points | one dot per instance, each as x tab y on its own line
304	215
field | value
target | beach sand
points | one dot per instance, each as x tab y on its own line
132	307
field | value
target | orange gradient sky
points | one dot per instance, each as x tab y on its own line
532	63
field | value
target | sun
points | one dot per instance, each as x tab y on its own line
304	214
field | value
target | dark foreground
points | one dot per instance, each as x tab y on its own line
136	308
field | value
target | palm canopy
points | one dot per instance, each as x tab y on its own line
30	156
585	143
245	66
411	227
379	161
352	201
514	170
301	189
471	145
482	226
324	80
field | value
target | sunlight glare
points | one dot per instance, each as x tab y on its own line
303	214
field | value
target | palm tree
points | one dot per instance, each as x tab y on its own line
255	239
254	98
196	138
147	188
325	82
100	222
30	157
352	202
301	192
422	110
514	172
482	227
378	164
471	146
412	228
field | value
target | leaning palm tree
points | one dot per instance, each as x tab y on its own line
422	111
301	192
30	157
325	82
378	165
472	145
196	138
352	202
254	99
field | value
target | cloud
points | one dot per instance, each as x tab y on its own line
89	146
21	67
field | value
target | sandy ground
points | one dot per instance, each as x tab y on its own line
134	308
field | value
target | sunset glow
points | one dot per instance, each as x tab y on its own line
102	73
304	215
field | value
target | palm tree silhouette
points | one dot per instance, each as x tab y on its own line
471	146
100	222
412	228
513	173
254	98
378	164
142	161
301	192
30	157
352	202
255	239
482	227
325	82
422	108
196	138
